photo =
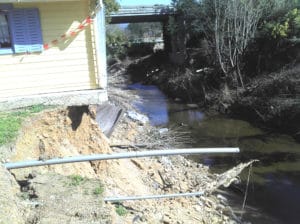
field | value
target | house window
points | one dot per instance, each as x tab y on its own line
20	30
5	39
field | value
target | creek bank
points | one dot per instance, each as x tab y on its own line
268	100
64	192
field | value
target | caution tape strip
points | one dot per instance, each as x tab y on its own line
85	23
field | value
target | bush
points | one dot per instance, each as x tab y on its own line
121	210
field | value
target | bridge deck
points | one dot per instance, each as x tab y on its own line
133	14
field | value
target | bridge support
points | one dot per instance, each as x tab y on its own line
178	54
167	37
175	42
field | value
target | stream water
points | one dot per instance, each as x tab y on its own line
274	189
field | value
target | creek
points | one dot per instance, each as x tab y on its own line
274	187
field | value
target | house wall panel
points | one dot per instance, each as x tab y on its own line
68	66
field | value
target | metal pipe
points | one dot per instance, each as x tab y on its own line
133	198
124	155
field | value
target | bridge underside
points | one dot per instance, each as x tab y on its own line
138	19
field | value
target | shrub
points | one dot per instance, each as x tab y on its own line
121	210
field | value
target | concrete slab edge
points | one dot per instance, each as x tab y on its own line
70	98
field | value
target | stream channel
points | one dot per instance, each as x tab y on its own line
274	187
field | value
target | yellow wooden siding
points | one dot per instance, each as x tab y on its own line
71	65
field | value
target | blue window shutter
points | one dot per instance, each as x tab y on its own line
26	30
7	6
34	30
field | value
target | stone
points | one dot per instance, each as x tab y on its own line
137	117
163	130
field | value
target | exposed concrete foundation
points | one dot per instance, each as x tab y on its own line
72	98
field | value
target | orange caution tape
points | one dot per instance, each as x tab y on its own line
88	20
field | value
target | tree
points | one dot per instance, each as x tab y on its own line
282	22
229	27
111	6
115	40
136	31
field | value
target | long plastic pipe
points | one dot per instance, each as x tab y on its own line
124	155
134	198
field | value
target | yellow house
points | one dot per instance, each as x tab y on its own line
52	52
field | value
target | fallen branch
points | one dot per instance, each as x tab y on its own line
226	178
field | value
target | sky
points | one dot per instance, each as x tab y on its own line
144	2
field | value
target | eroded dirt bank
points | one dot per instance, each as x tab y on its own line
73	193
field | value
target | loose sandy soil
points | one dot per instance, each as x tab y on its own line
48	194
66	193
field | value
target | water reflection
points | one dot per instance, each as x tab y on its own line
153	103
275	183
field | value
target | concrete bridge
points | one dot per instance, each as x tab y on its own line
173	44
142	13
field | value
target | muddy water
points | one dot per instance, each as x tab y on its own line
274	189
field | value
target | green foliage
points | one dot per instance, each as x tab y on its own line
121	210
9	126
76	180
98	190
136	31
111	5
115	39
37	108
191	11
10	122
283	22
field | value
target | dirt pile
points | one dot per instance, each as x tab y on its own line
71	199
68	193
9	203
61	133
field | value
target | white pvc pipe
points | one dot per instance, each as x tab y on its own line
160	196
124	155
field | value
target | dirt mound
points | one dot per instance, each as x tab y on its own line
9	203
62	133
71	199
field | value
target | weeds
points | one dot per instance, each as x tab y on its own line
121	210
10	122
24	195
98	190
76	180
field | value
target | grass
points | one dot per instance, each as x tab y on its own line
98	190
121	210
10	122
76	180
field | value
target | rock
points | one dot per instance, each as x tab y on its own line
167	219
192	106
45	135
163	130
137	117
222	198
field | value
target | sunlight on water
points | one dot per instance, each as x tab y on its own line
274	192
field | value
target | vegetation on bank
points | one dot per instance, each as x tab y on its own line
241	58
10	122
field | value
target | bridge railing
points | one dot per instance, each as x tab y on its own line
144	10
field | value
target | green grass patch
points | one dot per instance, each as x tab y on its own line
10	122
121	210
98	190
76	180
